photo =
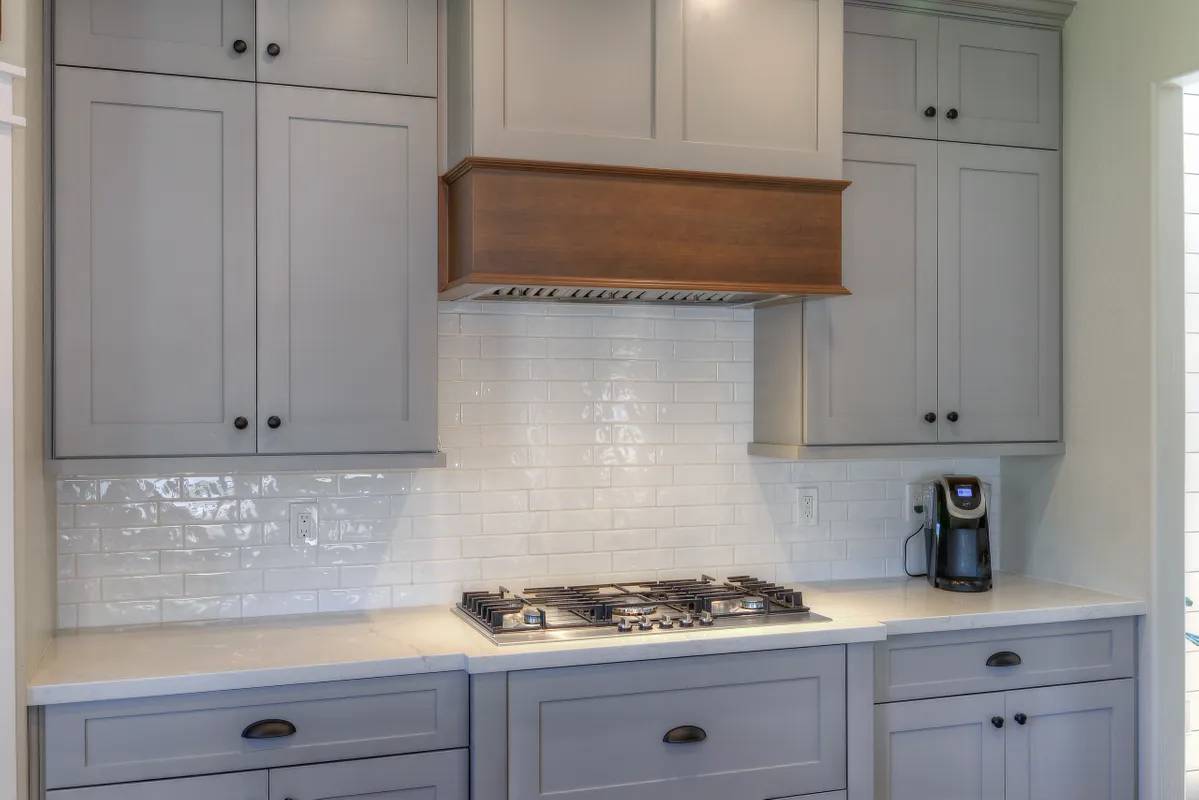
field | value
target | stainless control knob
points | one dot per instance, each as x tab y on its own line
624	626
686	621
645	624
665	623
706	619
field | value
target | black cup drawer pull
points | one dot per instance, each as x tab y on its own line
1005	658
268	729
685	734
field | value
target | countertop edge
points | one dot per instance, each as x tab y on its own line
1004	619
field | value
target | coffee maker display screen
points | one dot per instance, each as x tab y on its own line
963	493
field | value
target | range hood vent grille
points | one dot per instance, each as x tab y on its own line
596	294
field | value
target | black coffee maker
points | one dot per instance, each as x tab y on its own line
957	545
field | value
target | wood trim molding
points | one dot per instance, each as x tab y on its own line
531	223
1039	13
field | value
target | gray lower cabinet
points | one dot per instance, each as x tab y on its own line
749	726
179	37
1072	741
154	264
234	786
914	74
1029	744
367	45
942	749
426	776
347	254
953	331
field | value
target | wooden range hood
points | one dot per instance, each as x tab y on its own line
549	231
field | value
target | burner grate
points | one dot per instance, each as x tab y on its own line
607	607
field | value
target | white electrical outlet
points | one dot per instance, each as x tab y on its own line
303	524
913	497
809	507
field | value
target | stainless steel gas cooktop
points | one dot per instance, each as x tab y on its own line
560	613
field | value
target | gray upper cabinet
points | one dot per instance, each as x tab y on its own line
890	72
1072	741
914	74
943	749
182	37
154	265
427	776
676	84
871	358
347	256
1000	84
367	45
1000	294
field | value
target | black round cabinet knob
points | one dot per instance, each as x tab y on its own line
273	422
931	111
930	418
241	423
997	722
1021	718
240	46
952	416
951	114
273	49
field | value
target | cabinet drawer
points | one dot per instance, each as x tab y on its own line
424	776
128	740
774	725
943	664
237	786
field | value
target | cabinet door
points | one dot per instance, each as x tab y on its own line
426	776
871	358
233	786
347	264
1000	294
368	45
1003	82
181	37
1076	741
154	264
890	72
943	749
675	84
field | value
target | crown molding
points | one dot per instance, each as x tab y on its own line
1039	13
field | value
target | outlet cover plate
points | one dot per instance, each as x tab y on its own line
304	524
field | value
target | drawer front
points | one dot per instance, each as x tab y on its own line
128	740
773	726
944	664
424	776
237	786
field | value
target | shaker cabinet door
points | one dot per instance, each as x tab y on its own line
347	263
890	72
367	45
871	358
1000	84
154	265
180	37
1072	741
942	749
1000	294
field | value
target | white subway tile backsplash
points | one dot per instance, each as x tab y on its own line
583	443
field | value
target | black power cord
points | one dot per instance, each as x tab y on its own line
906	542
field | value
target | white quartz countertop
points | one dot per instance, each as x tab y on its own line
157	660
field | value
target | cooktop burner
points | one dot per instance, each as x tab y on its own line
616	609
